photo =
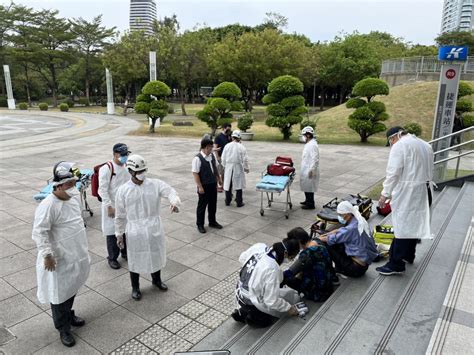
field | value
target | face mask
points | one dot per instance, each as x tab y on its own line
123	159
72	192
341	220
141	176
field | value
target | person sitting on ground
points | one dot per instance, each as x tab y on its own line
258	290
311	273
351	247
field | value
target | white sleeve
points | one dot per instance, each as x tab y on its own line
104	185
314	158
44	217
120	212
196	165
394	170
245	158
224	157
271	297
168	192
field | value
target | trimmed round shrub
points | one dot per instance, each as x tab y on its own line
285	85
245	122
220	104
70	103
142	107
269	99
276	110
465	89
363	113
463	105
370	87
413	128
298	111
224	120
227	90
64	107
292	101
236	106
43	106
23	106
376	106
84	101
468	121
144	98
3	101
355	103
156	88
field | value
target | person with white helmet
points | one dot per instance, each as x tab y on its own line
351	247
137	214
236	164
63	262
309	177
112	175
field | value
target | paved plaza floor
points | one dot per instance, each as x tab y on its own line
201	269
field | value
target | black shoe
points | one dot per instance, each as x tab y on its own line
238	316
387	271
335	280
201	229
114	264
227	203
303	203
308	207
77	321
241	204
161	285
136	294
67	339
125	257
215	225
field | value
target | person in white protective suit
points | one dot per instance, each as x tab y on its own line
258	291
137	214
309	177
236	164
112	175
63	261
408	183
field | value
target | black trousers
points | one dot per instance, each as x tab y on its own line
207	200
309	198
238	197
113	249
404	249
254	317
135	278
62	315
344	263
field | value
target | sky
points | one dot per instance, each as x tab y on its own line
417	21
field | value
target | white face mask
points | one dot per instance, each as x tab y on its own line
72	192
141	176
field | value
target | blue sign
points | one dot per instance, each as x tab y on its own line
453	53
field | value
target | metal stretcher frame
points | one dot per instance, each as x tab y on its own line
270	200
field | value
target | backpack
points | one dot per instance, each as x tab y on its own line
283	166
95	178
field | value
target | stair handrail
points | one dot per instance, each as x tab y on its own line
452	134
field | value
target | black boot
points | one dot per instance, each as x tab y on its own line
156	276
67	339
136	294
77	321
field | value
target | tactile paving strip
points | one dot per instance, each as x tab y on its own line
154	336
209	298
224	288
174	322
232	278
212	318
193	309
194	332
132	347
227	305
172	345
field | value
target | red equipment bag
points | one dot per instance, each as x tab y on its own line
95	179
386	210
284	161
280	170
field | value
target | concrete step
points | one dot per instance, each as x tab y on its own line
366	328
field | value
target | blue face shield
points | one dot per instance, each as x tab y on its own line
123	159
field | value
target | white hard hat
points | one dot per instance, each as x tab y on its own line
63	172
236	134
136	162
307	129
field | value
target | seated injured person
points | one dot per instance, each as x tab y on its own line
312	272
351	247
258	290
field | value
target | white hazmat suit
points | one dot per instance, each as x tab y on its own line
309	162
235	160
137	214
264	284
59	230
409	168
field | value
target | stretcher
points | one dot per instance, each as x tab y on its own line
271	184
82	184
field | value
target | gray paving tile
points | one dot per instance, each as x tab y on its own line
18	234
193	309
189	255
171	269
16	309
133	347
101	272
173	244
104	337
194	332
260	237
58	348
154	336
174	322
234	250
118	290
23	280
213	242
218	267
172	345
187	234
212	318
6	290
226	305
7	248
91	305
191	283
17	262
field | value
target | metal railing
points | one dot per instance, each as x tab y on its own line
420	65
454	147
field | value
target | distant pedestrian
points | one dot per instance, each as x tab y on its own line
309	177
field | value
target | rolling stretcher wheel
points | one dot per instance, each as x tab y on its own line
262	212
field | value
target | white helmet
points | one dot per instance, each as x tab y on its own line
63	172
236	134
307	129
136	162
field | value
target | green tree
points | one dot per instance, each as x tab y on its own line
217	111
464	105
286	106
91	38
152	102
367	118
456	38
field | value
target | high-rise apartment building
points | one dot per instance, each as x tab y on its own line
142	15
457	15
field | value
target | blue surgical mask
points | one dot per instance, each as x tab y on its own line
341	220
123	159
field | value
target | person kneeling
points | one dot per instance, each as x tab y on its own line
351	247
258	291
311	273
